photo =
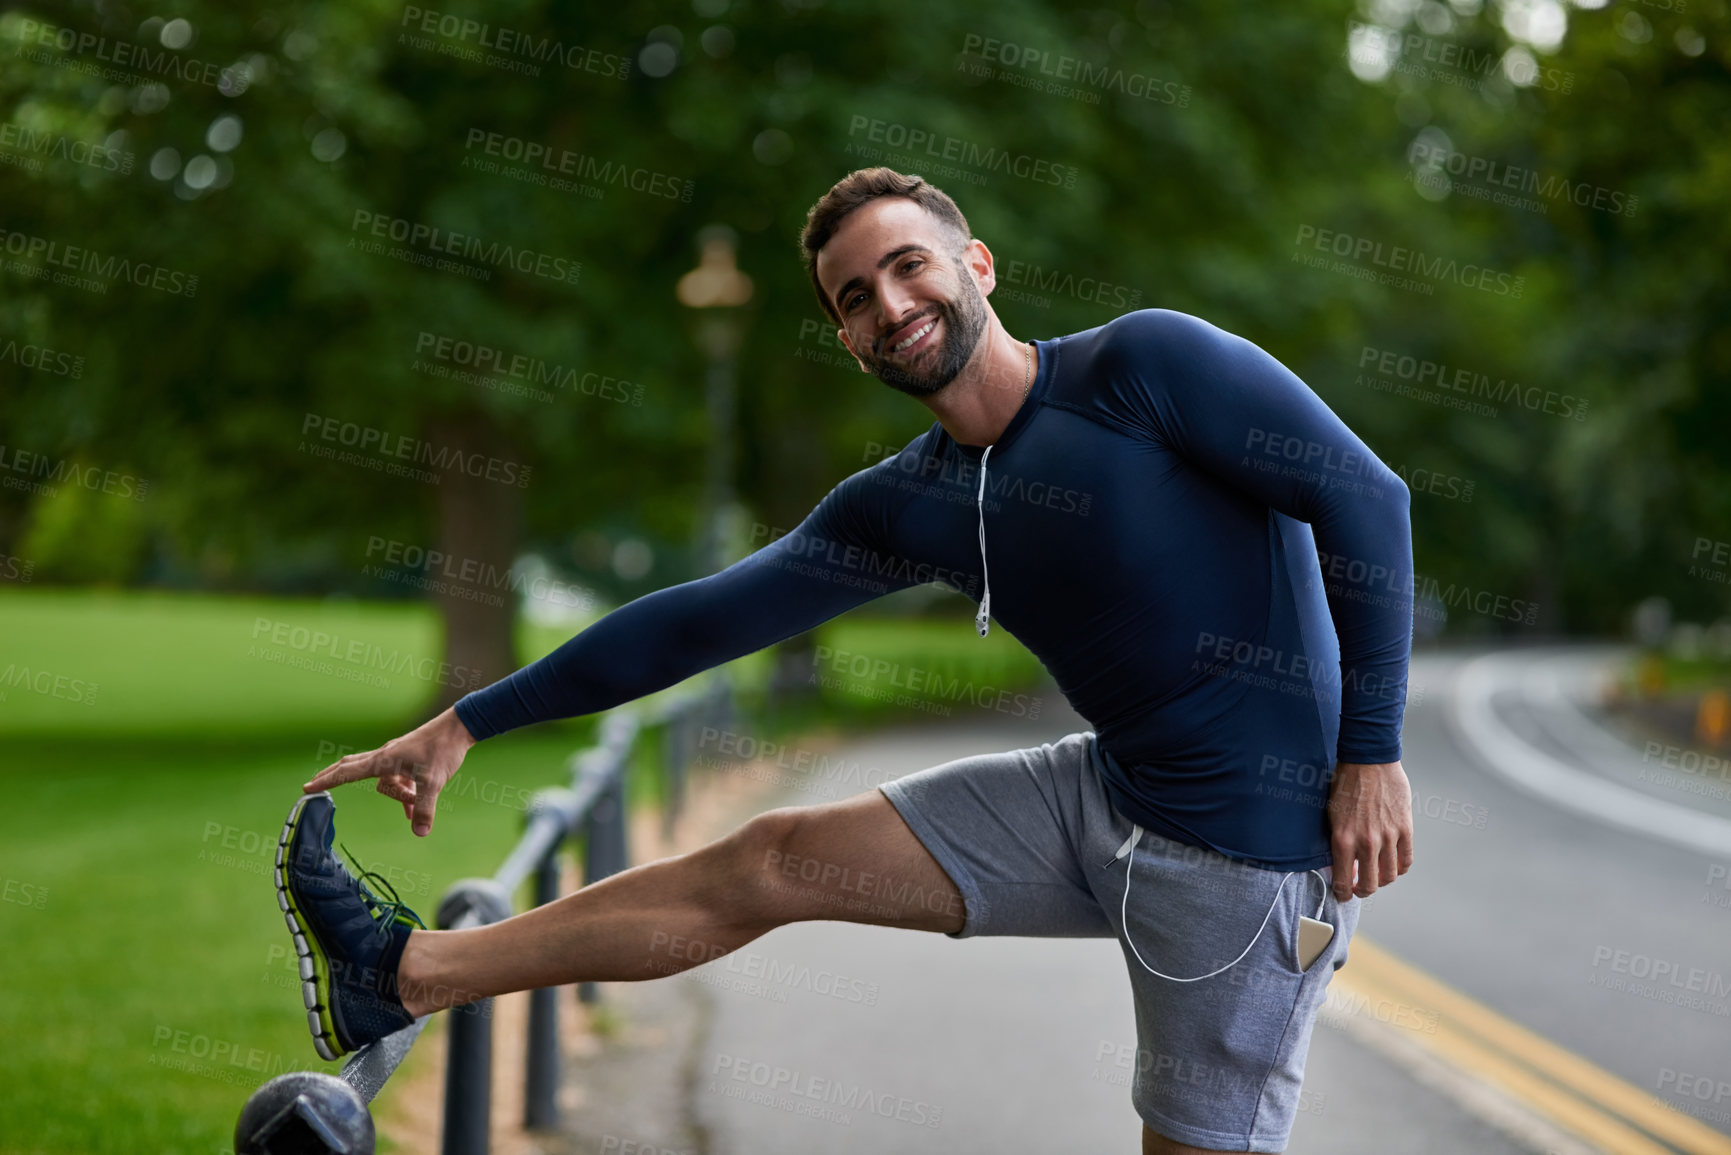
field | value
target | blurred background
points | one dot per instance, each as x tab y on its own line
352	356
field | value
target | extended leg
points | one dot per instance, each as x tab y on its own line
851	861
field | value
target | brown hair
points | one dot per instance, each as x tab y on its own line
863	186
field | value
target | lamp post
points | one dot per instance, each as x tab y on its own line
717	290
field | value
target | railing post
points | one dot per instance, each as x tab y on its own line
716	707
541	1090
469	1069
674	763
605	852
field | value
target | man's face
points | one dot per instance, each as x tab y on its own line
905	288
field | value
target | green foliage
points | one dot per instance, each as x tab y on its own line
1193	205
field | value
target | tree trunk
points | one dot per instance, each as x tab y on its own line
480	527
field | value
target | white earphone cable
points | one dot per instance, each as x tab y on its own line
1125	852
980	619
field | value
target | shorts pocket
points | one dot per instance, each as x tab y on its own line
1192	912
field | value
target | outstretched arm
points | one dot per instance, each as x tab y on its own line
797	582
830	563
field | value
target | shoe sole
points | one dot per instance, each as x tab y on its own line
315	969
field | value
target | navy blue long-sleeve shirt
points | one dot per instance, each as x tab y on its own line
1213	568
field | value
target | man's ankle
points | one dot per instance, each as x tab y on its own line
413	988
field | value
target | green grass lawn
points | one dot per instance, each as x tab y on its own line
147	982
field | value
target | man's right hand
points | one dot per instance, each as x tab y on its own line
412	769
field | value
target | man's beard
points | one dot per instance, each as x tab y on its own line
961	321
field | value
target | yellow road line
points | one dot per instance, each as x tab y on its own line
1484	1042
1465	1052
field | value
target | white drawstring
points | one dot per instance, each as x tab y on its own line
980	622
1123	911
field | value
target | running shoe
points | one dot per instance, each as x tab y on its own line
349	940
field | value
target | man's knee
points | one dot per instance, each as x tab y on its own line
755	857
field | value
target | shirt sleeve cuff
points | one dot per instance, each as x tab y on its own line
1371	756
468	713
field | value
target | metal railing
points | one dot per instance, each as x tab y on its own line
311	1112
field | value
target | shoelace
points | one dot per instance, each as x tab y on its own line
384	913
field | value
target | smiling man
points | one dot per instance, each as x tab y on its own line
1149	506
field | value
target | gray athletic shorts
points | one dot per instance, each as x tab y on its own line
1028	837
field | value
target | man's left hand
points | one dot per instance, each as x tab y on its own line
1370	813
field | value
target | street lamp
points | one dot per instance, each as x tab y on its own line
717	289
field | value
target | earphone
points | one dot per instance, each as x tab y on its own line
1313	933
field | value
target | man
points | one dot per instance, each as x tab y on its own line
1135	503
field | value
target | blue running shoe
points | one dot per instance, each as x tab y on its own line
348	940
